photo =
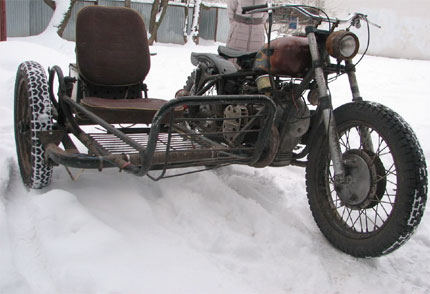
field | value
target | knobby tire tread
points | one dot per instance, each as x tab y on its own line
34	76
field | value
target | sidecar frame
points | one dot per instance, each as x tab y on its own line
105	89
146	157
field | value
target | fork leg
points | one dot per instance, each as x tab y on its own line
327	109
365	138
353	84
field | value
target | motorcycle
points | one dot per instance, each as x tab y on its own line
366	173
358	156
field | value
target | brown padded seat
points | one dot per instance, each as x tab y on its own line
140	110
112	51
111	46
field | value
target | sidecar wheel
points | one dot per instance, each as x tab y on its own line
390	182
32	114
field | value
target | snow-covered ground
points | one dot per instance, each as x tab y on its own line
233	230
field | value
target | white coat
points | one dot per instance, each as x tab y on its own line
244	35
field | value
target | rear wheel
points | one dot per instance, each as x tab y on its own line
32	114
204	110
191	88
387	174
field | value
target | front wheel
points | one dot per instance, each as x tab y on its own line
386	171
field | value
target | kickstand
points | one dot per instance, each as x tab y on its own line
74	178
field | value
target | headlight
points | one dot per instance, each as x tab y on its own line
342	45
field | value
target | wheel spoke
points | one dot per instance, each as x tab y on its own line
376	214
366	220
349	215
361	221
343	212
343	143
390	201
391	182
375	226
386	202
348	141
379	150
358	218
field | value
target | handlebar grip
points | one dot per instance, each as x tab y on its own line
245	9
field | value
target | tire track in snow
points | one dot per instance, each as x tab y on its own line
13	282
251	184
30	260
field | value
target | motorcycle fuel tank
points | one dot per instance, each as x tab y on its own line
291	57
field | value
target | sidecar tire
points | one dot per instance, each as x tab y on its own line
406	200
32	114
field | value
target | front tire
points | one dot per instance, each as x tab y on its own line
390	181
32	114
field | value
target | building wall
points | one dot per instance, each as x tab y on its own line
21	23
405	26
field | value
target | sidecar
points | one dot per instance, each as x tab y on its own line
100	115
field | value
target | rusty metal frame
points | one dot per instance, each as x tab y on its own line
146	158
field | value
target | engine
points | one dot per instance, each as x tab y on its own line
224	123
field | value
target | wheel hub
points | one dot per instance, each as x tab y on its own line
360	189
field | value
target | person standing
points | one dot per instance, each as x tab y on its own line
246	30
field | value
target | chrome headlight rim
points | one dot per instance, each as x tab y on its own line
339	43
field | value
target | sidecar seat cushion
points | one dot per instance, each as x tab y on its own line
111	46
141	110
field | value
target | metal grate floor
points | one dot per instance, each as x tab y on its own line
178	142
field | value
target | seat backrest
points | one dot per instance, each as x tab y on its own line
111	46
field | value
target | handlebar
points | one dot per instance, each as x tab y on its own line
353	20
245	9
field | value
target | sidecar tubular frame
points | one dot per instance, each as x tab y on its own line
141	163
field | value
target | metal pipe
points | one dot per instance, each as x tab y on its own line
365	138
353	84
79	160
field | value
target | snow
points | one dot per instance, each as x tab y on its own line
61	7
233	230
196	16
